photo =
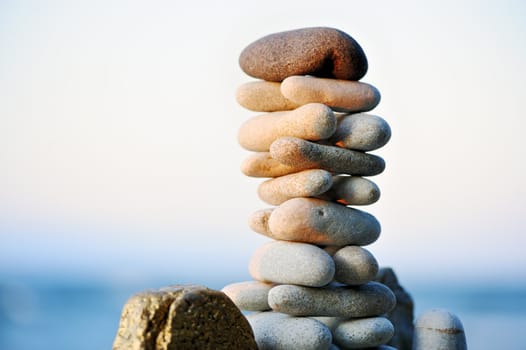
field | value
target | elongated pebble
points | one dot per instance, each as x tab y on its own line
363	333
258	221
319	51
277	331
354	265
261	164
300	153
263	96
291	262
370	299
438	329
321	222
307	183
250	295
352	190
340	95
362	132
312	121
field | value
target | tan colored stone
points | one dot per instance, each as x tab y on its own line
340	95
352	190
307	183
320	222
258	221
354	265
263	96
312	121
299	153
261	164
182	317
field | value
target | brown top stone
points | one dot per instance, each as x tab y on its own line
182	317
318	51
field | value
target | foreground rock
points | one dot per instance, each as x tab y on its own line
182	317
324	52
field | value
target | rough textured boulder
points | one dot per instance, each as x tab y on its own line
402	315
182	317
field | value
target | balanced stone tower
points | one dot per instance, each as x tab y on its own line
313	284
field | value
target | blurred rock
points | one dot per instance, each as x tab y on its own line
402	315
182	317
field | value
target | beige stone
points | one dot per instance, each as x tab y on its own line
352	190
249	295
340	95
307	183
261	164
258	221
182	317
312	121
263	96
320	222
299	153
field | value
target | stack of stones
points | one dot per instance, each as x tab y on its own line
313	283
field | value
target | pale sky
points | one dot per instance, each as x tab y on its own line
118	123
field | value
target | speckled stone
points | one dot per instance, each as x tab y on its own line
352	190
320	222
354	265
312	121
340	95
291	262
261	164
363	333
300	153
362	132
318	51
330	322
263	96
276	331
307	183
437	330
370	299
182	317
250	295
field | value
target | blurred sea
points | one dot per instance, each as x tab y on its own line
64	314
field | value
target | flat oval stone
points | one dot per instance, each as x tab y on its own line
312	121
263	96
370	299
307	183
363	332
261	164
340	95
291	262
320	222
352	190
258	221
362	132
299	153
318	51
250	295
274	331
438	329
354	265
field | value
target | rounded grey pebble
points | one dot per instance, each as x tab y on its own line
371	299
352	190
362	132
275	331
363	333
438	329
354	265
250	295
291	262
